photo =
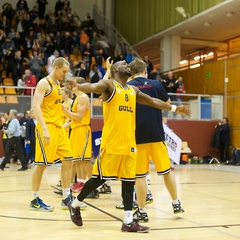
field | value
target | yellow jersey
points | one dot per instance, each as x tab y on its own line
85	121
119	114
4	135
52	104
68	105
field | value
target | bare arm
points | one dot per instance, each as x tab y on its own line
41	89
83	105
104	86
145	99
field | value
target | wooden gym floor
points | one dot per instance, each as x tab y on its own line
210	195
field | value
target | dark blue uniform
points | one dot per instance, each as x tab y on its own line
145	132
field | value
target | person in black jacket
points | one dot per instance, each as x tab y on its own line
224	140
30	139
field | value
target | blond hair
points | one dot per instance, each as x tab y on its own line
59	62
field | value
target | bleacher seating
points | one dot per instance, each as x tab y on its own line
2	99
12	99
10	91
8	82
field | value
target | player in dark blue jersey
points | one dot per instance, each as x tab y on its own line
150	140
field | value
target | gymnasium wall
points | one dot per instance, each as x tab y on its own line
140	19
198	134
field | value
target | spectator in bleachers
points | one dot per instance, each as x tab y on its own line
51	60
103	43
93	40
84	39
5	24
156	75
76	41
66	43
36	46
87	53
58	7
149	65
121	50
66	5
20	28
63	22
87	23
95	75
41	8
10	61
22	4
48	15
35	64
51	25
81	70
36	26
33	13
17	70
8	11
131	56
75	22
99	60
48	47
29	80
7	47
28	24
17	41
12	34
66	56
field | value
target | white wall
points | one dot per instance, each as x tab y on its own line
80	6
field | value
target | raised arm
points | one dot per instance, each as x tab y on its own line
145	99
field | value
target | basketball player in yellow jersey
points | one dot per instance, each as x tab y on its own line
80	137
52	144
117	158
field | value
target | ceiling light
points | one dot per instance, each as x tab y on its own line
184	62
186	32
206	24
195	65
229	14
181	11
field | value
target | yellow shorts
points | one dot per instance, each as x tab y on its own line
158	153
57	150
81	143
114	166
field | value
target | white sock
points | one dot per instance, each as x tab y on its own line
176	201
66	192
142	210
35	195
128	217
76	203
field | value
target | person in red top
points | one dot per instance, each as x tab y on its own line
29	80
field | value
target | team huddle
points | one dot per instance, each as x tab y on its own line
122	154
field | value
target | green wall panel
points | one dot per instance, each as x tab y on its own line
140	19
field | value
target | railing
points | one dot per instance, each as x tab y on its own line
203	107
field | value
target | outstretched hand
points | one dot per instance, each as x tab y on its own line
71	84
184	110
109	63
